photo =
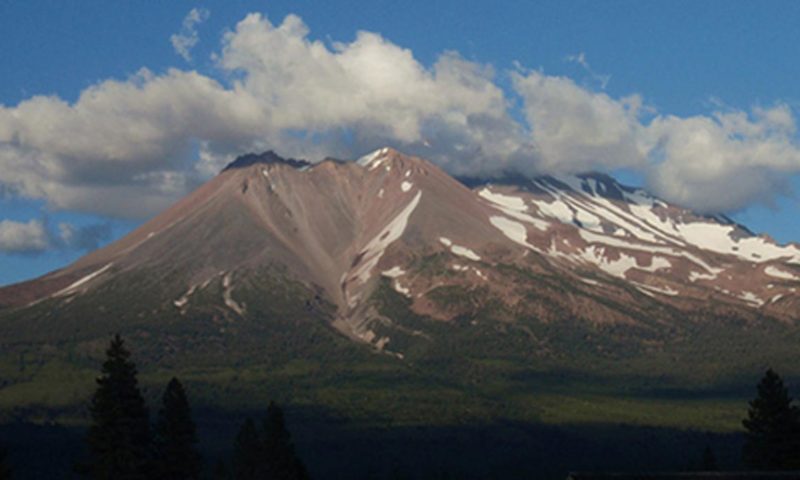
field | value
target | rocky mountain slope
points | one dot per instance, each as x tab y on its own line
388	262
339	228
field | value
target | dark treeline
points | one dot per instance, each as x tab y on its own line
123	445
5	469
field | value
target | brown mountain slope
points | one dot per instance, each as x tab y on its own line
578	247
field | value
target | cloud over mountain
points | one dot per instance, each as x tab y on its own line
23	237
38	235
141	142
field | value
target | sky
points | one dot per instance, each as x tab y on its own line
111	111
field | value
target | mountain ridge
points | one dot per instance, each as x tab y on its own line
347	284
610	218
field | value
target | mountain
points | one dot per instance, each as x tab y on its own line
389	264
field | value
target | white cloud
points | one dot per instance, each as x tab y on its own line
127	148
370	84
19	237
36	236
125	142
86	237
132	142
184	41
724	162
580	59
576	129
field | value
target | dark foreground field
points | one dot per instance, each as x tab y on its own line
336	448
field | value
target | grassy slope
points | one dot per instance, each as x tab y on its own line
479	368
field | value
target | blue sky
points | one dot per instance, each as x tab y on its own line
657	72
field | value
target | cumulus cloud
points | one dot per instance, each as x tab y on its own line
141	142
580	59
184	41
19	237
371	88
127	148
121	141
37	235
86	237
726	161
576	129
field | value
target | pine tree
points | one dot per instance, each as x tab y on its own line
176	437
247	453
5	468
709	460
281	460
119	437
773	427
220	471
268	454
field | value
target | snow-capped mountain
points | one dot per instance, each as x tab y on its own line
657	247
346	233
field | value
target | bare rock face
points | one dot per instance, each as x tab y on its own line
581	247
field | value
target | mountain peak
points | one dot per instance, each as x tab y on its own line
379	156
269	157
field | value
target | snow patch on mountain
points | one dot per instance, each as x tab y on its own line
374	250
590	237
556	209
751	298
505	201
459	250
83	281
227	291
656	264
373	159
778	273
645	288
718	238
616	267
513	207
515	231
393	272
184	299
644	218
401	289
465	252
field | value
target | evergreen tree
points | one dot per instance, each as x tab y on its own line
119	436
268	454
773	427
709	460
176	437
5	468
281	460
247	454
220	471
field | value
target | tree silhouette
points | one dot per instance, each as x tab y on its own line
281	460
268	454
119	437
773	427
247	454
175	438
220	471
5	468
709	460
